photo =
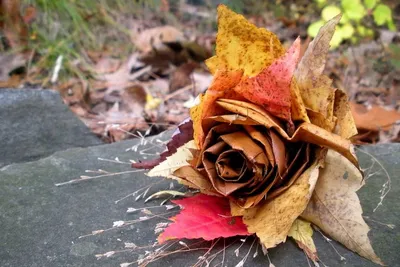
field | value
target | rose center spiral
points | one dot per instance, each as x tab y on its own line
231	165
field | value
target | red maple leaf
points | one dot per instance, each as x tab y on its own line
203	216
271	87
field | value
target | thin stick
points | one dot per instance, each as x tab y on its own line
95	177
178	92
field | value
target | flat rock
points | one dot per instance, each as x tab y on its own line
36	123
40	223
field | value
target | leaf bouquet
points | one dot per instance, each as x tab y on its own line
267	147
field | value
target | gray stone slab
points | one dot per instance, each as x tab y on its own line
36	123
40	223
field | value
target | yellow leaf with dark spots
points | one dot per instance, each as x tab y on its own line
241	45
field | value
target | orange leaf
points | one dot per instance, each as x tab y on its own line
375	118
221	87
271	88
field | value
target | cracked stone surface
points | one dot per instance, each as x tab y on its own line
40	223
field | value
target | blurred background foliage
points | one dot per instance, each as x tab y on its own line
76	29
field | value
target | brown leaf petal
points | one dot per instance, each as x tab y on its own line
209	158
242	142
336	209
296	168
263	139
313	62
196	178
305	132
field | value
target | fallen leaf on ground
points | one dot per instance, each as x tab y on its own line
181	77
374	118
335	208
8	63
203	216
12	23
154	38
107	65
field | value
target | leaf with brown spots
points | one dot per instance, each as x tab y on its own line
271	88
272	220
241	45
335	208
315	88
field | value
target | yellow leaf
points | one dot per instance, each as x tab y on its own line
335	207
151	102
345	126
174	162
242	46
272	220
298	108
302	232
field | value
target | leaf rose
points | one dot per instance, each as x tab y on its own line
248	163
270	137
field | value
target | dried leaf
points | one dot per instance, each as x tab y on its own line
174	162
374	118
153	39
345	126
335	207
182	135
198	181
221	87
203	216
305	132
272	220
302	232
314	87
271	87
299	112
242	46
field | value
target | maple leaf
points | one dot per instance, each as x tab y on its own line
240	45
335	207
182	135
271	87
203	216
302	232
